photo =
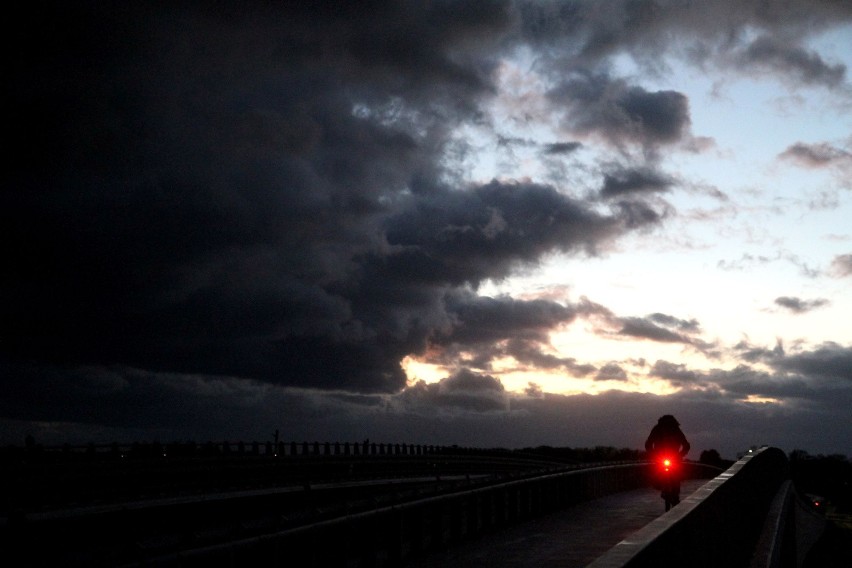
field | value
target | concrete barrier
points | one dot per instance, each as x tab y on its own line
789	532
718	525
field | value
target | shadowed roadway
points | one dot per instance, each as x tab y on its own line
573	537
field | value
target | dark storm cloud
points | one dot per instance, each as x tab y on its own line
463	391
821	365
257	193
658	327
534	390
466	380
196	198
752	353
640	215
130	399
744	381
531	353
829	361
676	373
799	306
611	372
653	330
634	181
779	56
561	148
586	33
485	319
607	106
483	329
803	378
687	326
464	236
509	141
210	212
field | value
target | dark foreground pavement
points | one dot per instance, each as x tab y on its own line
833	550
573	537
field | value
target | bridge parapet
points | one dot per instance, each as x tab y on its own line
384	536
389	535
721	522
790	530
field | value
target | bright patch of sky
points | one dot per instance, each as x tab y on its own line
750	226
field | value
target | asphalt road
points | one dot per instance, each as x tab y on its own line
572	537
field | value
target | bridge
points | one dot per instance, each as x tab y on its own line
604	516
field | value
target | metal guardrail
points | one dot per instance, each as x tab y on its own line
382	536
49	479
388	536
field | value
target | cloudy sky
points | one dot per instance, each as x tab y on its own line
475	223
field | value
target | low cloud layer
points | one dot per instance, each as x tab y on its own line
619	113
799	306
804	400
816	155
804	66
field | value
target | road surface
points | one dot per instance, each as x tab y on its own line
570	538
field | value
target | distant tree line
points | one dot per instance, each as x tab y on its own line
583	455
712	457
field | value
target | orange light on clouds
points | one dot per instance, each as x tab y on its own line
516	376
418	370
757	399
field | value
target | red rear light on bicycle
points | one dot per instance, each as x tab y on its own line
667	464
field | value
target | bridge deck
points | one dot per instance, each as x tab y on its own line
573	537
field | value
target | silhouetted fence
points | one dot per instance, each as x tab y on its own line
156	450
226	449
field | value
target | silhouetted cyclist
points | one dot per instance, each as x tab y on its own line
667	441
